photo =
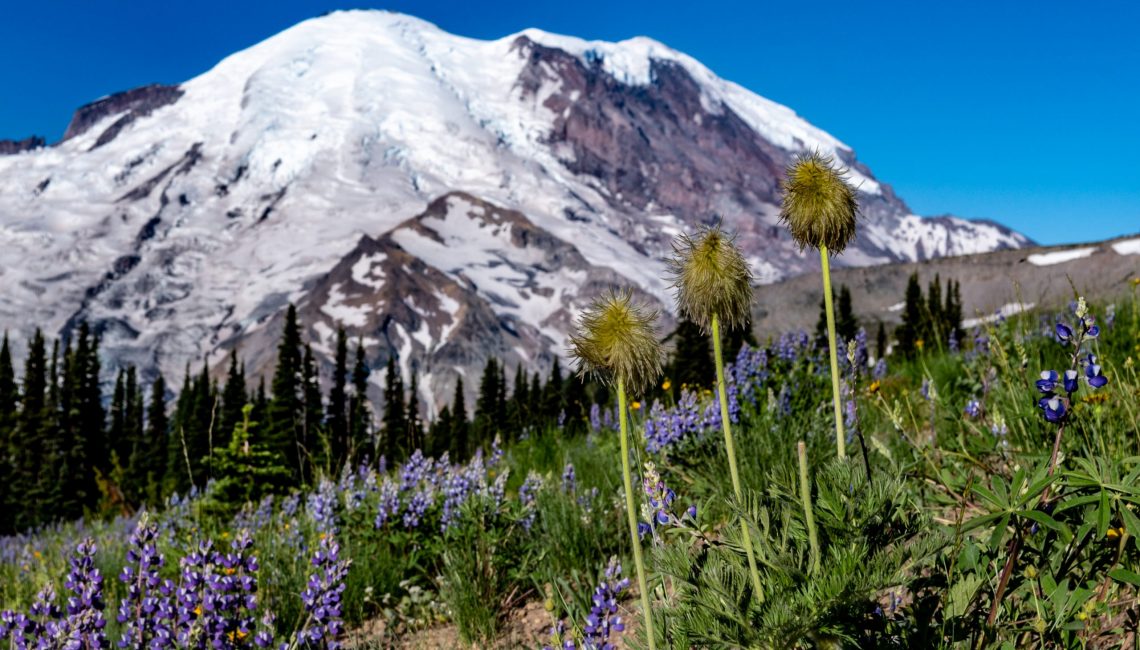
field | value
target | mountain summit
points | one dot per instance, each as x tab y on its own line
442	198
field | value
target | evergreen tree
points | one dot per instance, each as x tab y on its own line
692	364
910	331
395	422
28	444
486	405
846	325
553	395
439	434
337	417
152	459
519	405
246	469
134	472
881	342
952	313
415	425
360	420
234	399
312	445
286	415
260	401
735	338
115	435
177	478
536	392
935	324
9	402
577	405
460	444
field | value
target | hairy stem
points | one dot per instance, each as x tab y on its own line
630	511
840	439
805	497
730	448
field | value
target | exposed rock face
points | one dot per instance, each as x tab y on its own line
9	147
128	105
441	198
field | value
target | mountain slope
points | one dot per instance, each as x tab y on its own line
181	219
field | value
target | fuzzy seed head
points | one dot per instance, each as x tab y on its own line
615	340
712	278
819	204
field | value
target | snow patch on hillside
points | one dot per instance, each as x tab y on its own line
1127	247
1059	257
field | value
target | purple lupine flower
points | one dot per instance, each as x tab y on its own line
1054	407
417	507
973	409
322	506
528	496
1070	381
324	627
1064	332
1094	375
569	479
1048	382
146	612
389	505
880	369
603	619
84	623
595	417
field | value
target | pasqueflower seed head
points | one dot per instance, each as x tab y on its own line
614	340
712	278
819	206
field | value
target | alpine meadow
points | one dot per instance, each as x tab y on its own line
374	336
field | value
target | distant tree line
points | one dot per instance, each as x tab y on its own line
933	321
69	449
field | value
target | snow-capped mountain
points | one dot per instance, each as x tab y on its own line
442	198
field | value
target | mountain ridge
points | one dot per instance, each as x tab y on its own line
181	219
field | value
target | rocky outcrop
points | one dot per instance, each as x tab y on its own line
9	147
128	105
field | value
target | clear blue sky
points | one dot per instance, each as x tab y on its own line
1023	112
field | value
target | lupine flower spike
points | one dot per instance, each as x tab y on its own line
819	208
615	342
714	283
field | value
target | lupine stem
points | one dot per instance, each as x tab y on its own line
730	447
805	497
840	440
630	512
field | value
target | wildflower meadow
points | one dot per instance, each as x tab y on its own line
977	490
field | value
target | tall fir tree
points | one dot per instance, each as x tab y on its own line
314	446
881	342
577	405
692	363
134	471
234	399
9	404
910	331
489	406
337	416
554	395
360	413
846	325
459	443
439	433
519	406
153	456
952	313
28	444
935	330
415	425
286	417
395	421
115	435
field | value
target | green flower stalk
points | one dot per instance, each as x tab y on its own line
819	209
714	283
615	343
805	498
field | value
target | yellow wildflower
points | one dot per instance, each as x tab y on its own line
666	385
1114	533
874	387
636	405
919	344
